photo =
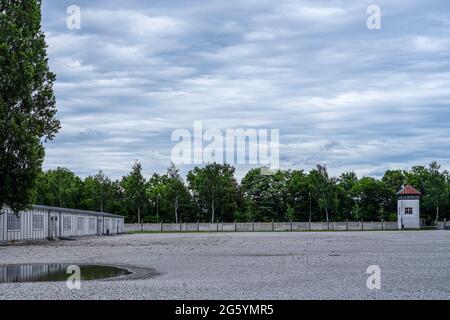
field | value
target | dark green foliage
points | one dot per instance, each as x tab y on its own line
266	196
372	198
59	188
298	191
215	192
169	197
393	181
323	189
434	185
284	196
27	102
134	195
99	193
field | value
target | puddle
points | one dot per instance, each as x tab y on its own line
22	273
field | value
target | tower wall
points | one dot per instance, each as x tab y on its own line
405	220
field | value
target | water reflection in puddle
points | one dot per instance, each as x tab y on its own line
55	272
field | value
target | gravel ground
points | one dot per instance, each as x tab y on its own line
327	265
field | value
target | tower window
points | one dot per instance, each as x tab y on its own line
408	210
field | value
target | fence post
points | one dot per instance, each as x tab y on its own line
162	228
217	225
198	225
362	225
310	226
273	225
445	223
346	224
181	225
328	225
382	224
291	226
253	226
235	225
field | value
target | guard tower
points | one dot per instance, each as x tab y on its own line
408	205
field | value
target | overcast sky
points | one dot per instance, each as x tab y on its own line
341	94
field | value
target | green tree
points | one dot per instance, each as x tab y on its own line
434	186
372	198
117	203
215	191
323	189
157	194
436	189
267	195
98	193
417	177
298	190
348	180
393	181
135	198
27	101
170	198
345	184
59	188
255	188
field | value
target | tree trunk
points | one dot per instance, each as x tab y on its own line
157	210
437	215
176	209
139	215
213	207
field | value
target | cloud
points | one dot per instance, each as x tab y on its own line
340	94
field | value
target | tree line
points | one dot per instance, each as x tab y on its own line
212	193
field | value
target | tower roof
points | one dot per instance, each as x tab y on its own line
409	191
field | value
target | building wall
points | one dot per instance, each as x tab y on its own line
409	221
40	223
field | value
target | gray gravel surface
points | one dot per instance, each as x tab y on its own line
414	265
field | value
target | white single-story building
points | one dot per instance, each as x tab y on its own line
42	222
